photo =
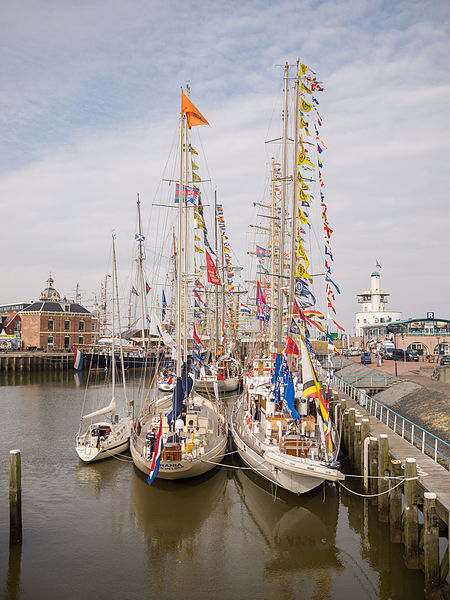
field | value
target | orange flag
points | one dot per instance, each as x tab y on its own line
193	115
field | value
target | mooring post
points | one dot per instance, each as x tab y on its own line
373	468
351	434
411	516
345	428
365	433
358	447
431	540
395	502
15	497
383	484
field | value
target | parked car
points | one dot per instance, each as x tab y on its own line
366	358
412	355
444	360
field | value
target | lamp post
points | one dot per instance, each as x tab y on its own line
395	354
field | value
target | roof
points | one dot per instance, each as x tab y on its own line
56	307
375	274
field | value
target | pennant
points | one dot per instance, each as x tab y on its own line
338	326
329	280
291	347
134	291
164	306
211	270
196	338
193	115
305	106
139	238
262	252
377	264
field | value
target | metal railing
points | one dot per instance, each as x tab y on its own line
426	442
374	381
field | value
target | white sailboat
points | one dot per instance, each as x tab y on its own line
182	434
282	428
98	439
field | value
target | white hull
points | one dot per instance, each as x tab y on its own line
208	449
294	474
116	442
165	387
184	468
230	384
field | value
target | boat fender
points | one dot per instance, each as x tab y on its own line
250	423
280	443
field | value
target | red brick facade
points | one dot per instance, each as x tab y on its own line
51	330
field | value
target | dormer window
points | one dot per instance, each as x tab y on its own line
67	307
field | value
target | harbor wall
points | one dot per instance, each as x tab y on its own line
35	361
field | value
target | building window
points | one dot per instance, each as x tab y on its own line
50	340
81	326
81	340
93	326
50	325
67	342
67	325
67	307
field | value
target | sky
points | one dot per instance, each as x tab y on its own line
90	98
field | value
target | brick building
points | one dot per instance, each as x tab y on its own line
54	324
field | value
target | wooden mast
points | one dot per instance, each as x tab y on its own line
179	253
294	219
283	214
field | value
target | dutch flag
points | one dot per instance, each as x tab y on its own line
156	456
245	309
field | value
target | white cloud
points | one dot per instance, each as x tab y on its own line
89	102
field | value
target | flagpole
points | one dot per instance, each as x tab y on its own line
283	213
272	262
217	269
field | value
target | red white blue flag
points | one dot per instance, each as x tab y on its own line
156	456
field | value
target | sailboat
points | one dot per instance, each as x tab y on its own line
101	438
281	425
182	434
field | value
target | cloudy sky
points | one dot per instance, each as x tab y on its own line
89	105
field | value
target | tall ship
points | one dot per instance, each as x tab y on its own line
281	423
183	434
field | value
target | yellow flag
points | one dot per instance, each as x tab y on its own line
303	159
197	249
303	195
305	106
305	88
302	272
302	69
193	150
302	217
301	181
196	238
196	177
194	166
304	125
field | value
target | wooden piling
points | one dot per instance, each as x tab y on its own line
431	541
411	516
357	458
15	497
383	484
365	433
395	503
351	434
345	428
373	467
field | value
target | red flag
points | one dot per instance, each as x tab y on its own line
211	270
291	347
338	326
199	285
147	288
196	338
220	378
197	295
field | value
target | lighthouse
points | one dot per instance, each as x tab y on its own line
373	303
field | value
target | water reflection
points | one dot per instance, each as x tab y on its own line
300	531
169	512
12	583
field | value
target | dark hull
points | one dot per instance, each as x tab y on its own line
98	360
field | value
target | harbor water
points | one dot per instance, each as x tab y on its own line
99	531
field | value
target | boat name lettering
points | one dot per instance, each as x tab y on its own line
171	466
